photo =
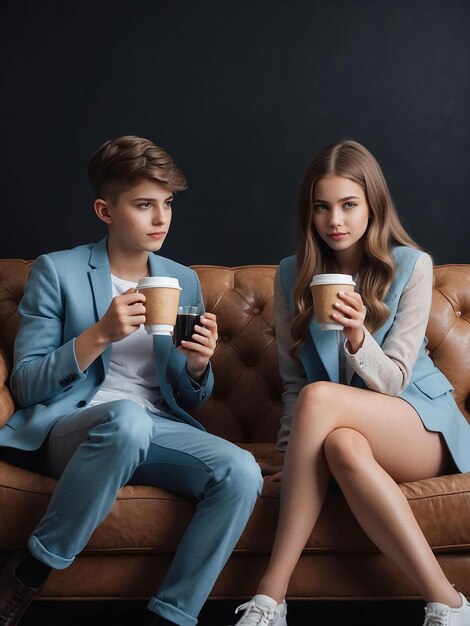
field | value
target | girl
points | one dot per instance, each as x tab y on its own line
360	398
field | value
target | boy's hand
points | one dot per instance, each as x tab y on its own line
123	317
199	351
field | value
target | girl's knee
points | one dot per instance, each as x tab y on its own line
345	450
314	409
317	393
317	398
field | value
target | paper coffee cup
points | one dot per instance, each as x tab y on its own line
162	295
325	288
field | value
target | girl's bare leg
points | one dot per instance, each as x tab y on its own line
390	445
382	510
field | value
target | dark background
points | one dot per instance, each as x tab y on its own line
242	94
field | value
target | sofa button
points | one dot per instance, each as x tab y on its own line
81	404
458	314
249	362
256	311
225	338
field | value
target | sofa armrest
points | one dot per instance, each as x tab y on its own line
7	405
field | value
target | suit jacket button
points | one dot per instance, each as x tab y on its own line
81	403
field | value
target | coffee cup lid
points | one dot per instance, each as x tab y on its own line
332	279
158	281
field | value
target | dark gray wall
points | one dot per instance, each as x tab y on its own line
242	94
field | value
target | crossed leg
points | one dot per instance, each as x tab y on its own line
370	442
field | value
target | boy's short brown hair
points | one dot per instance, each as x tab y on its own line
120	163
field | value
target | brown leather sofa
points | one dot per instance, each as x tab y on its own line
129	553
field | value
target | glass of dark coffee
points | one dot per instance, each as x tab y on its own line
186	320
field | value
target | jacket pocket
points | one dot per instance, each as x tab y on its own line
434	384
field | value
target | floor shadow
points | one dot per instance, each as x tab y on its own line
221	613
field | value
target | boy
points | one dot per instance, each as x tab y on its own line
106	402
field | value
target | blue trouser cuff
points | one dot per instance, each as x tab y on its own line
171	612
39	552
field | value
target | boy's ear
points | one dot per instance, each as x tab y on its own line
102	211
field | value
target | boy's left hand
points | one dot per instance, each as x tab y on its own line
199	351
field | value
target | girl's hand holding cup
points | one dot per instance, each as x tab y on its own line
351	313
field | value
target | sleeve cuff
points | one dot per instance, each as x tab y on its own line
197	386
81	374
356	360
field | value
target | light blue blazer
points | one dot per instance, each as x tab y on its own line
66	293
428	391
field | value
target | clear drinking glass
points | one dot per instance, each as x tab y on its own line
187	318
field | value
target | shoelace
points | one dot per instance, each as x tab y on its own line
257	615
436	618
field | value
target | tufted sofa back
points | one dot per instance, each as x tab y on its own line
448	329
246	403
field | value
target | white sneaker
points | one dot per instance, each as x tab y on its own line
262	611
438	614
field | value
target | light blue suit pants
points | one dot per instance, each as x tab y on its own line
95	451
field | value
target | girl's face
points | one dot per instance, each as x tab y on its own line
340	213
140	219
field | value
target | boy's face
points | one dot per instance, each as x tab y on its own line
140	219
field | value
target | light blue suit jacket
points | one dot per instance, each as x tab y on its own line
428	391
67	292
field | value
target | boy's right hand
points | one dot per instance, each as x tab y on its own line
123	317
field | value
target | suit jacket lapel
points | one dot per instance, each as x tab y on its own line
326	345
102	289
100	279
157	268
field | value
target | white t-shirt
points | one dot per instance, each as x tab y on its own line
132	373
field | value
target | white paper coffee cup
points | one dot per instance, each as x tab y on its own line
325	288
162	294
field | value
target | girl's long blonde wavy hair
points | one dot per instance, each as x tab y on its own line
351	160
